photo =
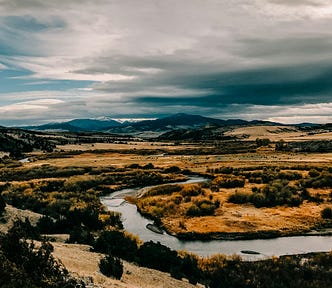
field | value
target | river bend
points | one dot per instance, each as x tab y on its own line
134	223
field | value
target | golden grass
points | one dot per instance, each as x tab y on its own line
233	218
229	217
277	133
81	262
196	163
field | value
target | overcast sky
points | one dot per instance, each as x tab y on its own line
249	59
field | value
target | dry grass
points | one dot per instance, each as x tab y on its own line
12	214
234	218
229	217
83	263
277	133
196	163
247	218
80	262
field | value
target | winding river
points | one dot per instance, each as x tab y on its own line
134	223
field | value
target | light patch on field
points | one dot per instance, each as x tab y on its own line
277	133
80	261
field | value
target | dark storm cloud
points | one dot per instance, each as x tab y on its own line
154	57
265	86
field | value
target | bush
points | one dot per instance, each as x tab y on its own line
201	208
327	213
111	267
262	142
2	205
164	190
148	166
116	243
313	173
239	198
157	256
191	190
24	265
193	210
80	235
229	182
226	170
258	199
190	269
173	169
277	192
46	225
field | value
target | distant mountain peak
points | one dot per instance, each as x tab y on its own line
132	125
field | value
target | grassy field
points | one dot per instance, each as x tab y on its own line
257	193
227	217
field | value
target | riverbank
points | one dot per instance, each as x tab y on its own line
198	212
246	235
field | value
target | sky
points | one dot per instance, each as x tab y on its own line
249	59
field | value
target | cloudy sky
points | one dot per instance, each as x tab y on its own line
249	59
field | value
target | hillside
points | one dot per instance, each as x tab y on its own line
183	126
76	125
82	263
18	141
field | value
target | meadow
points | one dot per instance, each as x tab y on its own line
251	191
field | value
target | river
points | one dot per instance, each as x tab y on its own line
134	223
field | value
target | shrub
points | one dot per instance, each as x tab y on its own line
173	169
327	213
24	265
262	142
177	199
24	229
239	198
313	173
229	182
207	208
157	256
111	267
258	199
2	205
226	170
191	190
289	175
116	243
323	180
201	208
190	269
134	166
164	190
80	235
148	166
193	210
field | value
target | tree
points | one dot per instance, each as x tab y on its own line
116	243
111	267
25	265
157	256
262	142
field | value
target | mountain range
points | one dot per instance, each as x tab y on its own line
169	123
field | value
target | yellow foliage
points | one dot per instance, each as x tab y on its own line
104	217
